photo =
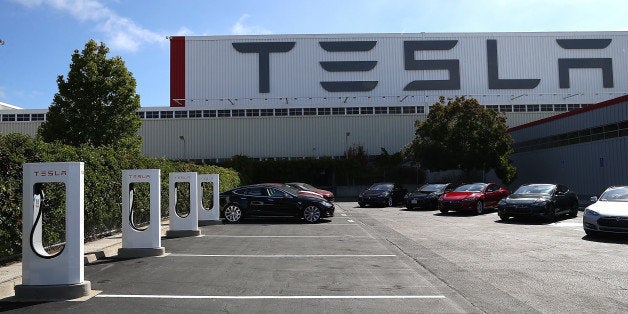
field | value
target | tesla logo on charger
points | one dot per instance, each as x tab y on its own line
50	173
139	176
410	63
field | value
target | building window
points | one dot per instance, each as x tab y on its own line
366	110
493	107
195	114
296	111
238	113
519	108
281	112
180	114
266	112
224	113
353	110
166	114
209	113
252	112
140	114
573	106
38	117
547	107
8	117
505	108
532	108
394	110
560	107
420	109
309	111
337	111
408	109
381	110
152	114
23	117
324	111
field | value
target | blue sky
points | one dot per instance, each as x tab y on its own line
41	35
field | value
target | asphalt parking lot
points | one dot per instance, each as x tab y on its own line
367	260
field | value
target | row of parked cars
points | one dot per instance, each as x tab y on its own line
608	214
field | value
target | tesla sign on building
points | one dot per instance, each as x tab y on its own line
272	70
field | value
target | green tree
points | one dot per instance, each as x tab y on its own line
96	105
462	134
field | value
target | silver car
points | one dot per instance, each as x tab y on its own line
609	213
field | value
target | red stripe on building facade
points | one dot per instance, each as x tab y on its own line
603	104
177	71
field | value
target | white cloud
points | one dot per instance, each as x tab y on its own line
120	33
241	28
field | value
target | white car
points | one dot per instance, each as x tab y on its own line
609	213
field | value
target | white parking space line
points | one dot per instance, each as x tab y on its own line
349	220
343	215
282	255
273	297
567	224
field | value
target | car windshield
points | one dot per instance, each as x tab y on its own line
381	186
546	189
615	194
289	189
432	187
475	187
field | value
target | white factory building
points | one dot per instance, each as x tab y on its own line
294	96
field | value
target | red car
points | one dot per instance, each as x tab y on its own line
329	196
472	197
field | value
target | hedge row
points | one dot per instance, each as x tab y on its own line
326	172
103	198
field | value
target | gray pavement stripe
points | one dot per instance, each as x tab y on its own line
278	255
257	297
279	236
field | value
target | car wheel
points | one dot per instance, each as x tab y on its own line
233	213
312	214
479	208
592	233
444	210
389	202
574	210
504	217
361	204
550	214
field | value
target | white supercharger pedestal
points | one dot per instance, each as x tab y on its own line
138	242
209	216
183	226
57	276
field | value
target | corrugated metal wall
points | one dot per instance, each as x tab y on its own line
577	166
28	128
215	71
301	136
587	167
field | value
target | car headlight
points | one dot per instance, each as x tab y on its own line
326	204
540	201
468	199
385	194
502	202
591	212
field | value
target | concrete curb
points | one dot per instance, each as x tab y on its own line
12	274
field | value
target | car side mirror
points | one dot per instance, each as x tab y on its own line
593	199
